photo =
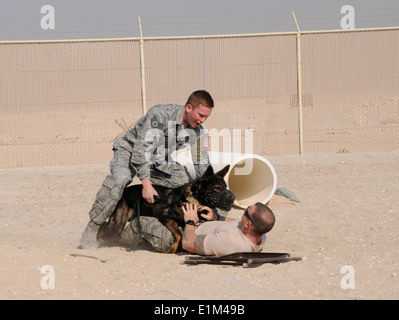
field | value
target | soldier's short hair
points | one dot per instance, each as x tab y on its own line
200	97
264	218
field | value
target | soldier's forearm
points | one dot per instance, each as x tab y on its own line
146	182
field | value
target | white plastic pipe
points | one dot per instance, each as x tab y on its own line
251	177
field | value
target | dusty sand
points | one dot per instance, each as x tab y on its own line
348	215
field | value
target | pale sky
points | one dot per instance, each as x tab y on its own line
82	19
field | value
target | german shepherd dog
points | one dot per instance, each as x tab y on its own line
209	190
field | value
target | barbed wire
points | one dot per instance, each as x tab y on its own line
201	24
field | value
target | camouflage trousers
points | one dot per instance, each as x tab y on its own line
122	174
154	232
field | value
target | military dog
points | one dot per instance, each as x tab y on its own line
209	190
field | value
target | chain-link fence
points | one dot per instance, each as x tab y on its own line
351	91
65	102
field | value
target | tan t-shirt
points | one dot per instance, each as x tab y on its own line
224	238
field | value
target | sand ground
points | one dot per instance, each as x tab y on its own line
348	216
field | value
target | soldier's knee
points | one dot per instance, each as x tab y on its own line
160	238
107	198
121	168
122	176
116	183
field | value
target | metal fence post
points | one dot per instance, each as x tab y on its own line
143	92
299	84
203	63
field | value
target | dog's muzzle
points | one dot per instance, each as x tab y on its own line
222	200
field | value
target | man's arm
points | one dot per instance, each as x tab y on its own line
149	191
147	130
144	141
191	242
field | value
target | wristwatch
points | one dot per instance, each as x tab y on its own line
190	222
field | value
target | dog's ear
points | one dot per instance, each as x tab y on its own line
208	172
224	171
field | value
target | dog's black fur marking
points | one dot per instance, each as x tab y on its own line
209	190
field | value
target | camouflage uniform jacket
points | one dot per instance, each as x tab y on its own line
154	138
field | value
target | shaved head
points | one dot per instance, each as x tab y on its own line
264	218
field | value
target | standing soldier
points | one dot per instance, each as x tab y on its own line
146	150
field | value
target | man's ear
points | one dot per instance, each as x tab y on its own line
189	107
224	171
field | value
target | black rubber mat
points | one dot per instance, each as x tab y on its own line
243	259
